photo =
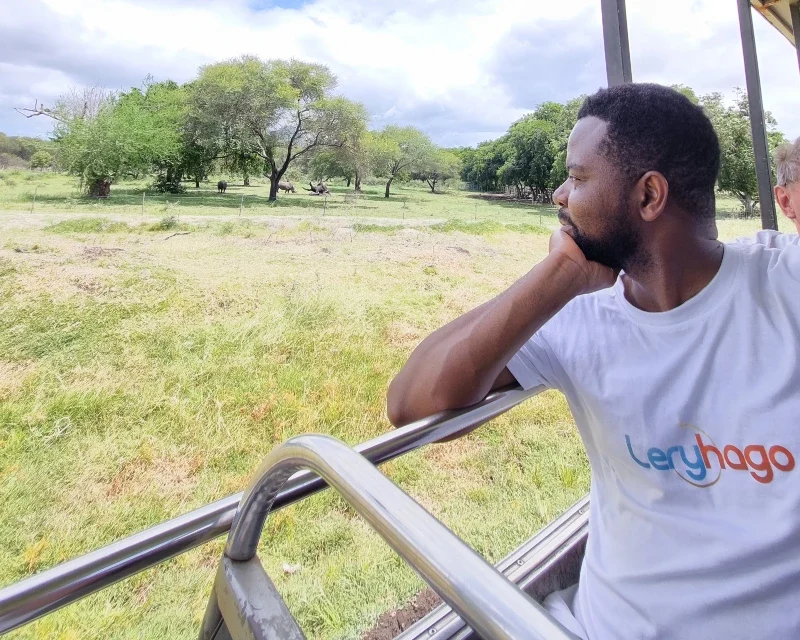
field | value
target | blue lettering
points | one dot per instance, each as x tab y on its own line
670	452
630	450
698	464
658	459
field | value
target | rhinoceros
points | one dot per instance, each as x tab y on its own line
221	186
286	186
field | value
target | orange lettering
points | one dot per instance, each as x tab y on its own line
705	448
739	466
786	466
762	464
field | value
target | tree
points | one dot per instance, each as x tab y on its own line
129	133
330	163
529	152
479	166
41	160
687	91
166	104
275	110
398	151
563	118
439	166
737	174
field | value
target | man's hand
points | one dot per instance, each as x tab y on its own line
593	275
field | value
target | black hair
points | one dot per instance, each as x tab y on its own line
655	128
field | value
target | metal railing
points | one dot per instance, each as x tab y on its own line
492	605
43	593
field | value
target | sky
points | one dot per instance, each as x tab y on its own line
460	70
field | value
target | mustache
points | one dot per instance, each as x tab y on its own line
564	218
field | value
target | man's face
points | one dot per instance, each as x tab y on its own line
788	198
593	202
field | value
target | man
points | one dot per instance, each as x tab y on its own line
787	193
680	373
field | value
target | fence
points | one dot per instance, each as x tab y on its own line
153	202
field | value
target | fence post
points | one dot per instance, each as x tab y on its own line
33	204
143	202
241	204
325	205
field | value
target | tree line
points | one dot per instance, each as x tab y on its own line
20	152
244	116
252	117
531	156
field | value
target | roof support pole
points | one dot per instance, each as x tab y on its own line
758	126
615	40
794	10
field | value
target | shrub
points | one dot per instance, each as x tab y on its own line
165	224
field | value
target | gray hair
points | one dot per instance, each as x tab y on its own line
787	163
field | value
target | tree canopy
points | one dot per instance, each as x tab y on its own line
399	151
273	110
437	167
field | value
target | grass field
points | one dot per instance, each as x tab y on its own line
143	374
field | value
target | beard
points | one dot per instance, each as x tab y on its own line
618	247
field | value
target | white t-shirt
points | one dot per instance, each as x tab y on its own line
770	239
678	546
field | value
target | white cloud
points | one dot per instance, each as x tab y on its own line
461	70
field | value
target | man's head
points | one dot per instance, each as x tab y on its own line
787	191
636	151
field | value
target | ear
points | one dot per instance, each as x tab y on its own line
785	202
651	191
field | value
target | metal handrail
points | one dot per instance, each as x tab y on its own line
43	593
492	605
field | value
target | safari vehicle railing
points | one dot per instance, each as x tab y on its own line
245	604
43	593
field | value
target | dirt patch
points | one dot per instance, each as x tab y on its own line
392	623
92	253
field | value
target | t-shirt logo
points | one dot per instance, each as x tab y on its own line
701	464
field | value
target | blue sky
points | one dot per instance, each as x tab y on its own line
462	70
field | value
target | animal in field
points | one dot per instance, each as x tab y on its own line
319	189
221	186
286	186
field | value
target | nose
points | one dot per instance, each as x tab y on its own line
561	195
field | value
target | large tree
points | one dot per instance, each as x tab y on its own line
276	110
563	118
479	166
397	152
737	174
118	136
438	167
529	153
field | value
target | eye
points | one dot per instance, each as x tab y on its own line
574	179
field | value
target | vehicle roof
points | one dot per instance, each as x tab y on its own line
777	13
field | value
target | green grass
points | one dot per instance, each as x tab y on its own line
88	225
59	193
144	374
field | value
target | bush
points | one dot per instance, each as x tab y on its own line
41	160
165	224
162	184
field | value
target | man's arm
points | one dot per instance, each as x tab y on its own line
459	364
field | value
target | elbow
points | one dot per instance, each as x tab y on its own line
395	407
